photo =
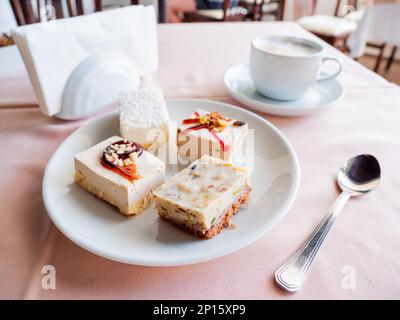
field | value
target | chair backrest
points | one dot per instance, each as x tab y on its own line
350	3
233	13
279	12
29	11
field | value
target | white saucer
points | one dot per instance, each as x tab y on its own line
321	96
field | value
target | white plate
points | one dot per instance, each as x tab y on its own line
321	96
147	240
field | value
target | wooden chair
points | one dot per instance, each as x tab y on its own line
390	60
227	13
26	11
382	48
333	29
257	9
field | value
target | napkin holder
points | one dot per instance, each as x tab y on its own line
96	83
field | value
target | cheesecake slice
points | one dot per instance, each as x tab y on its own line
202	198
210	133
143	117
120	172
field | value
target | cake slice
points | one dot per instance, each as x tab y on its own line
202	198
210	133
143	117
120	172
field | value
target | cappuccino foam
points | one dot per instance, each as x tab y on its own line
286	47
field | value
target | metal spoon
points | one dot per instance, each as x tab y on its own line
355	177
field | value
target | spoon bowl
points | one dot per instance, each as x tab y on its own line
359	175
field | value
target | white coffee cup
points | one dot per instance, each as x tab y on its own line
284	67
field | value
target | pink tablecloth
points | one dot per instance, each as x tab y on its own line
360	258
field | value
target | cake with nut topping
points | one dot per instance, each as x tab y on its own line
203	197
120	172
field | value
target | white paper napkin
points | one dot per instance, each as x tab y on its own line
52	50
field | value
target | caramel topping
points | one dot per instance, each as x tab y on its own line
121	156
213	121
